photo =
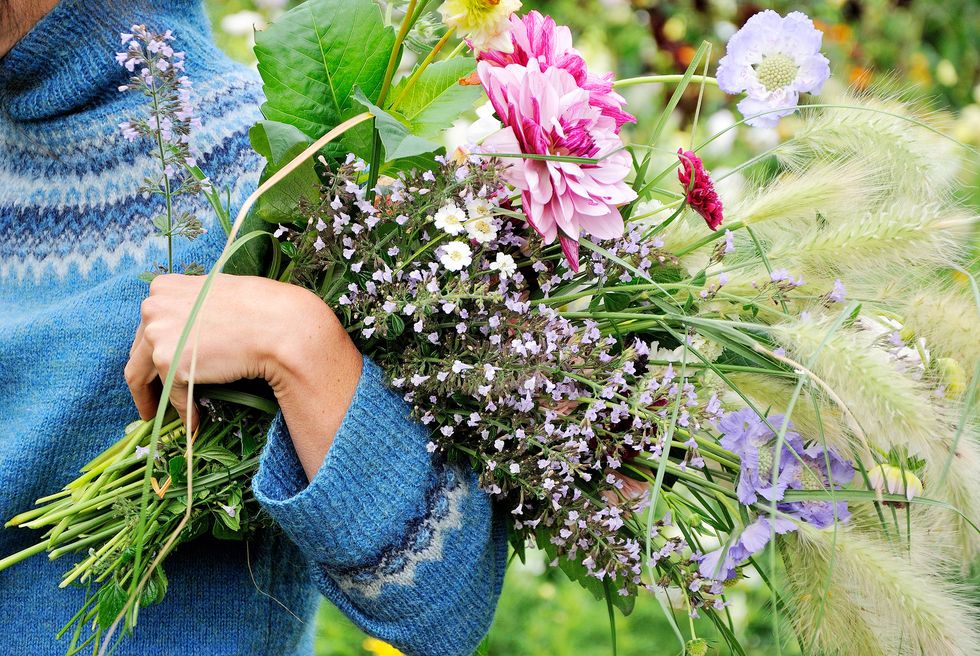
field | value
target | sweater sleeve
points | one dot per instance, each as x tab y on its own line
403	543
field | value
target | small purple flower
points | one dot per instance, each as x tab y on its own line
773	60
729	242
838	294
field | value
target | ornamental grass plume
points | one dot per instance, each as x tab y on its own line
947	318
835	189
895	411
878	122
887	598
892	408
894	236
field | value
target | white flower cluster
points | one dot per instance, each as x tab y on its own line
478	223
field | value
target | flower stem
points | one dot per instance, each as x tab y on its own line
661	79
24	554
421	67
166	181
393	59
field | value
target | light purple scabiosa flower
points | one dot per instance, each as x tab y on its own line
773	60
800	467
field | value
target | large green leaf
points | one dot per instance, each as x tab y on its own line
396	138
279	143
313	57
437	98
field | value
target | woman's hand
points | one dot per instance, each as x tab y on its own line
249	328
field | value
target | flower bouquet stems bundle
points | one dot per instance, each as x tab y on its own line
662	390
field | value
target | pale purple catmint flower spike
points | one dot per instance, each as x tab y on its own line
773	60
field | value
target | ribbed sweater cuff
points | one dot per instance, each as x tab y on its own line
371	485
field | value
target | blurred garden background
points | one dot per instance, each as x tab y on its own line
924	47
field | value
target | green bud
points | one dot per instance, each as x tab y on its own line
697	647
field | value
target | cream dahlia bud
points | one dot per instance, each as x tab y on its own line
484	23
889	478
952	376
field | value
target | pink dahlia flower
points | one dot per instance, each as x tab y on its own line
545	112
539	37
699	189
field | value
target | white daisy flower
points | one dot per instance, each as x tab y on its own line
456	255
482	230
450	219
505	265
773	60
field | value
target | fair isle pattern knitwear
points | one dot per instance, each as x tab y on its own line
405	545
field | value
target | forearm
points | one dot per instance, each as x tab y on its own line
405	544
315	383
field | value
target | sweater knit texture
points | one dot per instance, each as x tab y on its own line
404	544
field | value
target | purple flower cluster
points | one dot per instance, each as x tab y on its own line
550	409
767	475
158	73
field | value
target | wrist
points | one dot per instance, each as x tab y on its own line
314	373
313	344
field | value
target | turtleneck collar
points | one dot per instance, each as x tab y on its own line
66	63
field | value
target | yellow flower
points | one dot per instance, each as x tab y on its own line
380	648
888	478
486	23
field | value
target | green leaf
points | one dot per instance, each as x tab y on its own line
616	301
398	141
313	57
396	326
161	582
217	453
112	598
150	592
251	259
231	522
424	162
221	531
177	467
279	143
437	98
289	249
275	141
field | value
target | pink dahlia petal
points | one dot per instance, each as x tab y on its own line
537	37
699	189
570	248
547	112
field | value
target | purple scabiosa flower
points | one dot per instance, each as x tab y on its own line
773	59
747	435
800	467
719	565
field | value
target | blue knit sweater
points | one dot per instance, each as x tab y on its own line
405	545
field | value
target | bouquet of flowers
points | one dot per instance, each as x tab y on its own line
663	391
